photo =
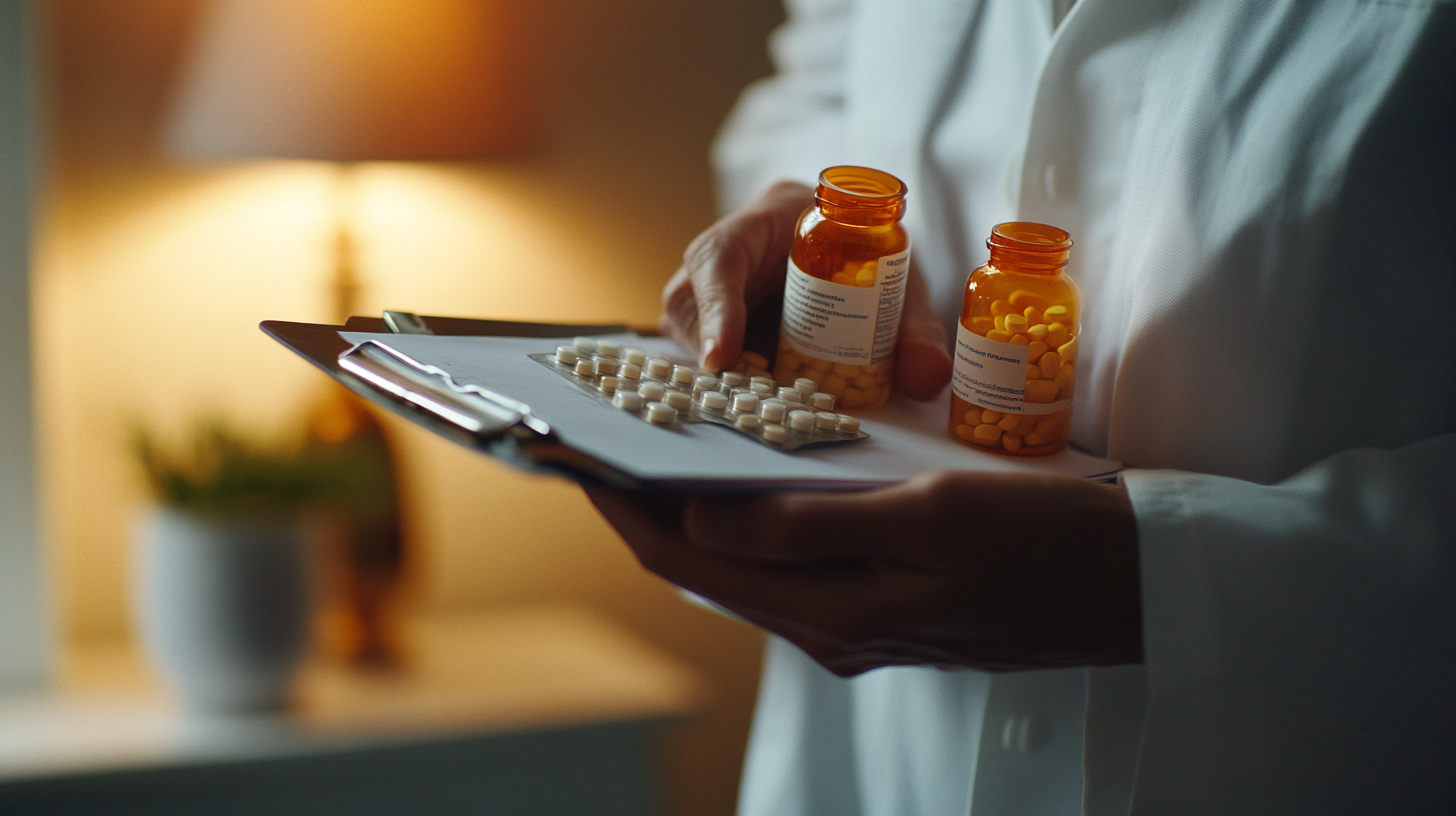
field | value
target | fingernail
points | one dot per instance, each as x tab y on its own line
710	355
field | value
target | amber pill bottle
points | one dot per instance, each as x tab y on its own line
845	288
1016	347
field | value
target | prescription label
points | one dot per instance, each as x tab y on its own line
855	325
992	374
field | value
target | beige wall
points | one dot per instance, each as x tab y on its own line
151	279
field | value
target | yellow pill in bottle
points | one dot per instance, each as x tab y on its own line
1056	334
1020	402
1051	364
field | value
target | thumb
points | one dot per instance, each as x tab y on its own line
922	352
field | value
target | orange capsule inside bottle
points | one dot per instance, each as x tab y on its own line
845	288
1016	346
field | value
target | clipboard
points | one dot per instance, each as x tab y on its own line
908	438
488	422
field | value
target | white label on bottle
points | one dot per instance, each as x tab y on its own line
992	374
856	325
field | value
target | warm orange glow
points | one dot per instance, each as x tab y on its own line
150	282
148	298
436	240
351	80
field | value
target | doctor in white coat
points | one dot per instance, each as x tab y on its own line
1262	617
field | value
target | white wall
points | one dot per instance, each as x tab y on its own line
22	634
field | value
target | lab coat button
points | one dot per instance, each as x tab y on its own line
1026	733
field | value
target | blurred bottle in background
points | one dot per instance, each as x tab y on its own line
364	560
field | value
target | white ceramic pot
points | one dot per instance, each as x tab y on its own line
224	606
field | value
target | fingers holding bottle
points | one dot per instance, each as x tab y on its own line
730	273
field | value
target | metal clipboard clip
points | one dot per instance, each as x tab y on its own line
478	411
475	416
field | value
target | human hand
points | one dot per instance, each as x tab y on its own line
991	571
729	292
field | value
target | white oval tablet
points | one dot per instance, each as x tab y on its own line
847	424
733	379
608	385
660	413
678	400
606	348
826	420
566	355
635	356
775	433
772	410
628	400
606	365
761	390
806	385
791	395
705	383
822	401
714	401
651	391
766	382
682	374
747	403
585	368
659	367
585	345
631	372
801	420
748	422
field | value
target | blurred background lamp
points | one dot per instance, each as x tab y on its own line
350	81
347	80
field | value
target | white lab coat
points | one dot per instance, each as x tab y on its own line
1263	197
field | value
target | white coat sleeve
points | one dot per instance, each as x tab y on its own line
789	126
1301	638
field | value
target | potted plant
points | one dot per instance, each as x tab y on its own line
224	566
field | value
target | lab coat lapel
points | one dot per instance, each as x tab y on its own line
1086	119
1042	728
937	97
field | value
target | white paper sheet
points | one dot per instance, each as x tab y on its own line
906	437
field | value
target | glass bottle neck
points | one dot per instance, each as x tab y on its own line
860	196
1029	248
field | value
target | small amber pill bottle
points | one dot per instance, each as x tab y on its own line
1016	347
845	288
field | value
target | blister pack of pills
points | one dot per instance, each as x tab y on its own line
666	394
